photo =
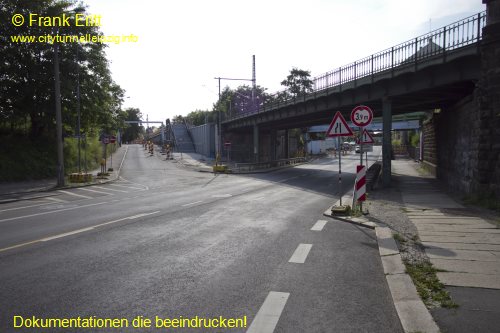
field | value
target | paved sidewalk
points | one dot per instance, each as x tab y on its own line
194	161
465	246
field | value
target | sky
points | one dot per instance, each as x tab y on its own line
183	45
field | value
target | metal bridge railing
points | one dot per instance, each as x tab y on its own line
410	53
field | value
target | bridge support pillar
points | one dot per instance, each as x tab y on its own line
286	144
256	143
386	141
274	137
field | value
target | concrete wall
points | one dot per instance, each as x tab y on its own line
487	173
462	142
204	139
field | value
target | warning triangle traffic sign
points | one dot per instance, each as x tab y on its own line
338	127
366	137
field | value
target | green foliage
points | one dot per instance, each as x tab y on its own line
430	289
131	132
414	139
298	82
200	117
396	142
240	101
27	98
22	158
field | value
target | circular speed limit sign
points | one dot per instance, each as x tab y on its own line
361	116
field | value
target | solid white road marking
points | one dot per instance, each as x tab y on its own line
51	212
23	207
65	234
110	189
269	313
76	195
300	254
77	231
318	226
123	159
126	218
94	191
56	199
192	203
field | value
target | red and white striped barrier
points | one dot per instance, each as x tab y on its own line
360	190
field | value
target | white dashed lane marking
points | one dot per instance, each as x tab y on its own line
269	313
300	254
318	226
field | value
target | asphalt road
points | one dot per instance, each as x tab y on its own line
166	241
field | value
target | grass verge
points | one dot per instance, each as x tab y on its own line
430	289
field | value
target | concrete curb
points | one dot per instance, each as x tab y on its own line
209	170
413	314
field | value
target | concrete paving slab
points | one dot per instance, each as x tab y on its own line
426	200
460	238
464	246
386	243
470	228
444	253
419	212
469	280
478	311
446	219
467	266
393	264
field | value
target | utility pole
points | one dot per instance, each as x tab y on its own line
60	154
78	107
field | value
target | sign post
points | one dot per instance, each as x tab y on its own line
338	128
361	116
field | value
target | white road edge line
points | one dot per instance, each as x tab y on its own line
267	317
318	226
24	207
121	164
46	239
300	254
53	211
76	195
192	203
65	234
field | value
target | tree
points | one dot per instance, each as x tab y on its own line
131	131
200	117
27	72
298	82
